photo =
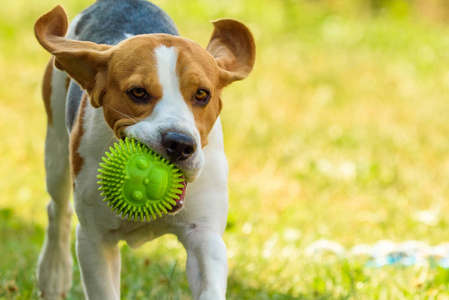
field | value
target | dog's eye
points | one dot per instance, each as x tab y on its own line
202	96
138	94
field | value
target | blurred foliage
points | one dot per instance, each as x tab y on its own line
432	10
340	132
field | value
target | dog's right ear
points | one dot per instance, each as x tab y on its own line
85	62
232	45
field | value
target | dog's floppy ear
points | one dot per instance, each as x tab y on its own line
232	45
85	62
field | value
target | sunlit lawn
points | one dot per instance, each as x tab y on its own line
341	132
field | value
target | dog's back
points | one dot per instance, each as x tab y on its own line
111	21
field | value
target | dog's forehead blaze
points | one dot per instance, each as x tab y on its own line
134	64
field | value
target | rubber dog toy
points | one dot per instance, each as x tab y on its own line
137	182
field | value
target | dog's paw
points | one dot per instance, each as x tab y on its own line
54	272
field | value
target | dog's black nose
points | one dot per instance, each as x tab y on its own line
178	146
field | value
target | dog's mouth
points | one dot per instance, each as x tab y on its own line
179	202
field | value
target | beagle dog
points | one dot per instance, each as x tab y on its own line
121	70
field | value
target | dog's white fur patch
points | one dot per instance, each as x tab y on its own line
171	113
128	35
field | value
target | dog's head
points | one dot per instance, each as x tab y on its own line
163	90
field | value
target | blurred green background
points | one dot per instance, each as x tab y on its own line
341	132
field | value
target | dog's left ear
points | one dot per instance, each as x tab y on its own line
85	62
232	45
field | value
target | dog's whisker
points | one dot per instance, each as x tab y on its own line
123	114
107	145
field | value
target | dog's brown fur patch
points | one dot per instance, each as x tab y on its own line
76	160
47	89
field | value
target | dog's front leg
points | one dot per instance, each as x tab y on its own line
207	265
99	262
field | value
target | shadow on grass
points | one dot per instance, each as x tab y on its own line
159	274
237	290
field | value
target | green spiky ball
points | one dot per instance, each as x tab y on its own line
137	182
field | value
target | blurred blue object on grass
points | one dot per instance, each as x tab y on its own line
385	253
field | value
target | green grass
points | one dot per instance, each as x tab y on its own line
341	132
